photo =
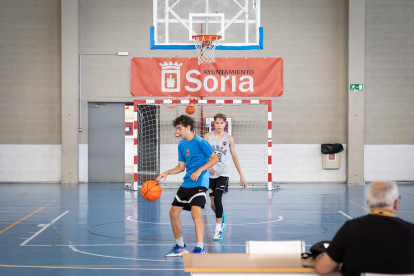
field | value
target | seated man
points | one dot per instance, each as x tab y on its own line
376	243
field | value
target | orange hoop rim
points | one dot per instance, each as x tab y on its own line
207	38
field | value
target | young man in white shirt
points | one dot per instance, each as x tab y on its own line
223	144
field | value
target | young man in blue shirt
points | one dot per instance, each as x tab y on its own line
196	156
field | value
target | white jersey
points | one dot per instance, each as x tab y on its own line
222	150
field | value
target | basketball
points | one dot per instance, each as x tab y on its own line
190	109
151	190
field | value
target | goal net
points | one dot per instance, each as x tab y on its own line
156	143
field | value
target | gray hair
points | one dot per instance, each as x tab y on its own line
382	193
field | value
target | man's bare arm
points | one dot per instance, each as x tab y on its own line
179	168
236	161
324	264
213	160
206	137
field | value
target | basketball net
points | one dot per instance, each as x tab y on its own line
206	46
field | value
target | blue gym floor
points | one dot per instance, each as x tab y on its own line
103	229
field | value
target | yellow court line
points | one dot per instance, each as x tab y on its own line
56	242
7	228
359	205
57	266
64	235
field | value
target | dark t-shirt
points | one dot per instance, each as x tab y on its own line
375	244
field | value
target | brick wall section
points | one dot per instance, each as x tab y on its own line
311	36
30	86
389	72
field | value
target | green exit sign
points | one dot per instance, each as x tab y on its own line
358	87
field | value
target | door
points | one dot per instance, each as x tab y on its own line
106	142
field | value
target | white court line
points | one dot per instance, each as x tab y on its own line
113	257
44	228
86	245
345	214
169	223
264	222
71	267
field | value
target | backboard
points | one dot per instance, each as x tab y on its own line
237	21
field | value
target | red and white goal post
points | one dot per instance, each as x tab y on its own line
155	142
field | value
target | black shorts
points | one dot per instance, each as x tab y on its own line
188	197
219	183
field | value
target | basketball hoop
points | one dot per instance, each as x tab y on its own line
205	46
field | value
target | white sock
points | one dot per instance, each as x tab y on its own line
200	244
218	225
180	241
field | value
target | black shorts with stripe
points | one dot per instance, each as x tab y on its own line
188	197
219	183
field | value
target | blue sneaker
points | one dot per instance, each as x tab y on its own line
198	250
223	221
218	235
177	251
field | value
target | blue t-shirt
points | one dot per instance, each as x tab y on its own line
195	153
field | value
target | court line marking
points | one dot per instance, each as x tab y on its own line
358	205
24	194
64	235
44	228
56	242
87	245
96	265
79	267
345	215
10	226
81	219
247	223
113	257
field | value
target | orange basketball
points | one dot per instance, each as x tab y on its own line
151	190
190	109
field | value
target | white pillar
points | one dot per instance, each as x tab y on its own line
356	71
70	87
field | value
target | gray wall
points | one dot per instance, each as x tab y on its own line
30	84
311	36
389	72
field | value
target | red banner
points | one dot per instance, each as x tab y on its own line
227	77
